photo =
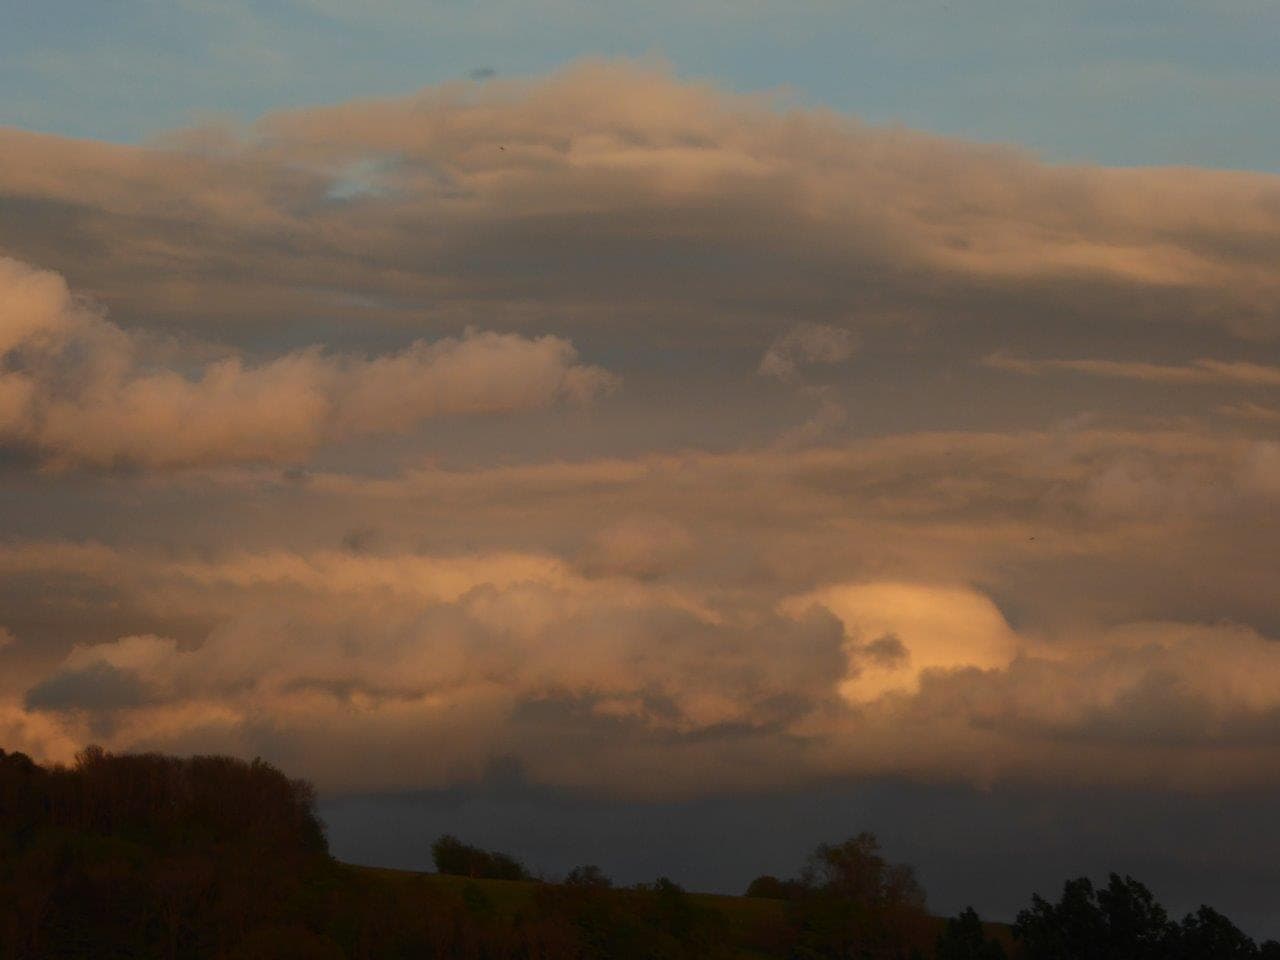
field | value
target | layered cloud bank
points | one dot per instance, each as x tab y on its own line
980	607
933	459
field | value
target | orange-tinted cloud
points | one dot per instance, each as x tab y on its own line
975	606
898	631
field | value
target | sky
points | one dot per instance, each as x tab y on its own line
687	436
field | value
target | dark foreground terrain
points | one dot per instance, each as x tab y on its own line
139	856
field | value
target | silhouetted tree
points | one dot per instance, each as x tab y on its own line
1136	925
963	938
1071	929
854	869
1208	935
855	903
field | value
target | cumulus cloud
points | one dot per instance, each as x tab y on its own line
898	631
79	389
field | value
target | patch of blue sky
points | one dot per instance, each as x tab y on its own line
1145	81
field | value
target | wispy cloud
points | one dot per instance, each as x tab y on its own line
805	345
1251	411
1196	372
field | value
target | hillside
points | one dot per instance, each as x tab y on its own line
745	927
145	855
214	858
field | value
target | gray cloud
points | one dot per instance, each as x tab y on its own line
98	687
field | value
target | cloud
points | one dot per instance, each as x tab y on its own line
806	344
100	687
898	631
980	607
380	637
1184	705
1197	372
81	390
978	576
791	357
645	547
616	189
923	679
40	735
1251	411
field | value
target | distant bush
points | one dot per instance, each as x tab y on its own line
588	875
453	857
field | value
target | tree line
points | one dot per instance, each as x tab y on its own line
1124	920
148	855
881	913
850	901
